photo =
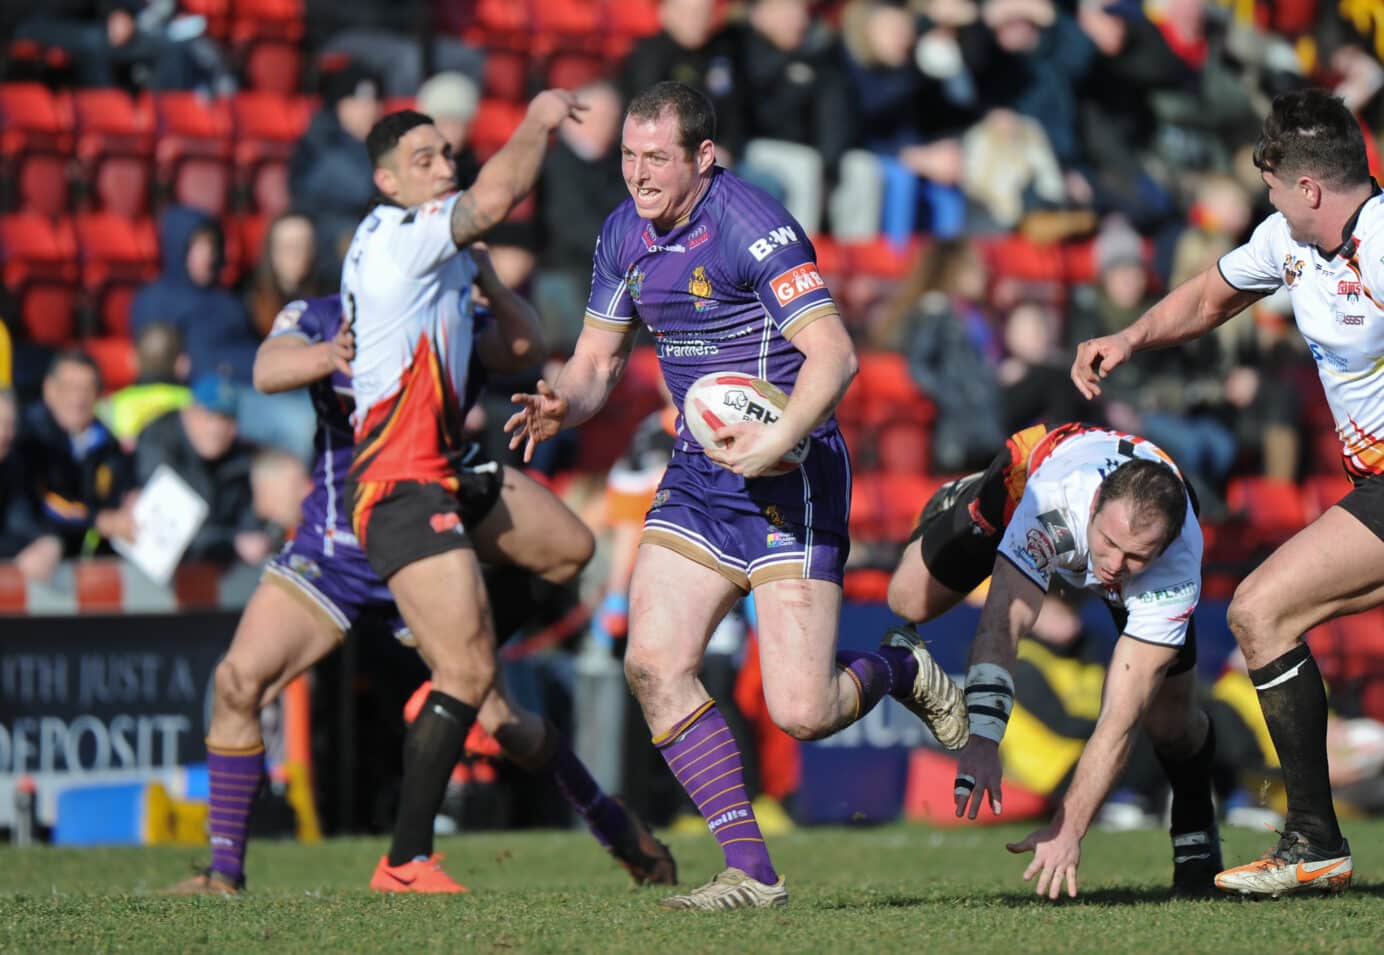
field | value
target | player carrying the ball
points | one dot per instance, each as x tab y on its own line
727	281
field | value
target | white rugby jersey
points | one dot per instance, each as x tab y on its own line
408	292
1337	305
1047	535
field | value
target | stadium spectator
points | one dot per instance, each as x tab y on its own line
201	444
160	385
329	172
692	48
287	270
905	120
399	58
954	350
1034	369
798	111
215	328
1008	171
581	181
11	540
74	475
278	484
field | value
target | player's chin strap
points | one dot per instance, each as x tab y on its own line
989	700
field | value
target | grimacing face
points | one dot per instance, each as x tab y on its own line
418	169
1120	547
662	178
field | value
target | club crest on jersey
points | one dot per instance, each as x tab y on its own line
699	285
774	516
1292	269
660	499
304	567
288	316
1039	550
634	281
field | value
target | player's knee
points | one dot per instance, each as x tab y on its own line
908	602
1250	615
468	677
577	547
237	687
803	719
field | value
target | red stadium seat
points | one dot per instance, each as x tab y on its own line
633	18
115	144
495	121
902	446
888	390
1321	491
38	264
1272	507
881	258
115	357
867	507
217	12
118	255
274	67
572	70
193	151
35	147
904	496
267	126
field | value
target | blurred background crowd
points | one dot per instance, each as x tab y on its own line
986	183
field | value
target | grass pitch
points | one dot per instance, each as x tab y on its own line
899	888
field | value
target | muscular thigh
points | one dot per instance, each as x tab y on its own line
1332	567
675	604
529	526
797	637
280	635
443	603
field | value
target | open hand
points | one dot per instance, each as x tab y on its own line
1056	855
539	418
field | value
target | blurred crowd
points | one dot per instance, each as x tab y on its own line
987	182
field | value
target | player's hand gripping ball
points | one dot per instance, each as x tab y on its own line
729	397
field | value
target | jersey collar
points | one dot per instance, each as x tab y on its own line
1347	247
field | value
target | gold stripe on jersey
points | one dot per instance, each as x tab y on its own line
592	320
807	317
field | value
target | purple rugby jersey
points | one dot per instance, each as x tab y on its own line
724	290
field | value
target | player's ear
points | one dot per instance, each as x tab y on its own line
385	181
706	156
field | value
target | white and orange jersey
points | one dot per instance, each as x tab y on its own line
406	288
1338	303
1047	534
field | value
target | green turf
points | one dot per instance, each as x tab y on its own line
896	889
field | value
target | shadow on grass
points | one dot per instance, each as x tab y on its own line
1104	898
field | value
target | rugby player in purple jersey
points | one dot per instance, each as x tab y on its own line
313	592
727	280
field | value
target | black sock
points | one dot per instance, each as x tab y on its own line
432	747
1293	699
516	596
1190	779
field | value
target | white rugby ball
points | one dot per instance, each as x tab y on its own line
729	397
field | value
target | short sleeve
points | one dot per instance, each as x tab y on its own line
610	305
1258	265
298	320
1029	544
422	241
1161	600
775	259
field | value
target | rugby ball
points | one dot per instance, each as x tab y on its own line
729	397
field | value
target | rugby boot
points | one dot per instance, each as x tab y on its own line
1291	866
937	700
731	889
648	861
421	875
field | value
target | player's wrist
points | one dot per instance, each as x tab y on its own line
989	701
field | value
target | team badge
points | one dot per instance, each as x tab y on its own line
699	285
1292	269
634	281
660	499
304	567
774	516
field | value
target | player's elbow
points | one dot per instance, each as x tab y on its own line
262	376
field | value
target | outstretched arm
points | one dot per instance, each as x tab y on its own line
1188	311
510	174
1136	671
1011	607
